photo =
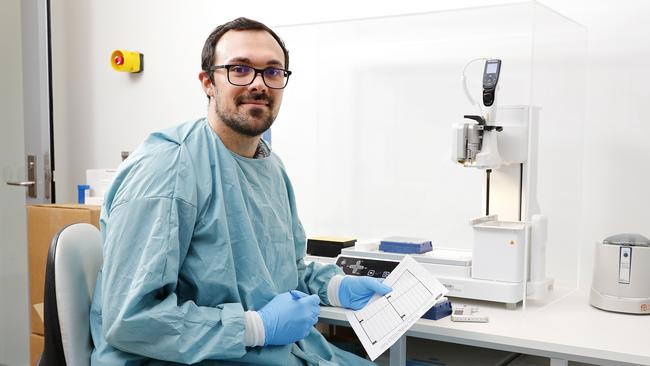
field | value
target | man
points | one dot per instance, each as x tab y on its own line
203	248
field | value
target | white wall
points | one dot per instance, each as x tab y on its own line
99	112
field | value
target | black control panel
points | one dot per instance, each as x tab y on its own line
366	267
490	80
491	73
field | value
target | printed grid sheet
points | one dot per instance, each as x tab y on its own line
386	318
379	318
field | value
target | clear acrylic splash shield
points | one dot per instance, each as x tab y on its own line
365	127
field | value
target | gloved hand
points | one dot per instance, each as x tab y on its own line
288	318
355	291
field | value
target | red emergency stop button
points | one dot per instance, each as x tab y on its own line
127	61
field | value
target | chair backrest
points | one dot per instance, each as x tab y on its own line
74	260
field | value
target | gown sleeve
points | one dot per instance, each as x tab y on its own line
146	238
313	278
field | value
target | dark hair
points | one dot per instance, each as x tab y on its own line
209	48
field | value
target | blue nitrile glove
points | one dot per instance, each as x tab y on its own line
355	291
289	317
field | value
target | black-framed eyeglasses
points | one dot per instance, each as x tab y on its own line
242	75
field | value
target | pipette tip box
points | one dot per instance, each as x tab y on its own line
400	244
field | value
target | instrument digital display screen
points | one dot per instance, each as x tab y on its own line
491	68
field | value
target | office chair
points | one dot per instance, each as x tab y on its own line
73	262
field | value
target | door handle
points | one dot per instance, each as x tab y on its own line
31	175
23	184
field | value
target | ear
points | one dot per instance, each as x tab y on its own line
206	84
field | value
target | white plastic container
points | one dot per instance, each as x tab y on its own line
99	181
498	252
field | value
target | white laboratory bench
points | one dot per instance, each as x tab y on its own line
565	329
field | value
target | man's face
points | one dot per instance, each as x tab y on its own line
249	110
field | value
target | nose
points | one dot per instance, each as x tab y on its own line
258	83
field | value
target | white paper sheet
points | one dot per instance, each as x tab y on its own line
386	318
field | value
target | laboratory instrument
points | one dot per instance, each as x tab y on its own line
621	272
507	260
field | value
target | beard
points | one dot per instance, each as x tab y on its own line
245	122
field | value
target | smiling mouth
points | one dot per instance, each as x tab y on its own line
256	103
254	100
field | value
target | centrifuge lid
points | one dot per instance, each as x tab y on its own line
630	239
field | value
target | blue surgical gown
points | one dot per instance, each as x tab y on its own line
193	236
